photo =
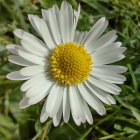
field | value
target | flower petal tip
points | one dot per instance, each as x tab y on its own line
19	33
103	19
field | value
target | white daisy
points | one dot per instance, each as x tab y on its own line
69	68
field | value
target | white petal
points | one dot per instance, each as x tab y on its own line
92	101
19	60
102	60
111	99
54	100
32	70
44	116
42	93
73	104
79	37
36	20
112	68
104	85
108	76
66	105
32	81
88	114
91	46
95	31
19	33
66	22
32	49
76	20
34	23
46	35
13	48
77	120
70	16
16	76
112	52
103	96
77	14
43	87
24	103
32	40
45	15
32	58
105	40
108	47
111	48
57	117
51	17
63	21
76	104
53	24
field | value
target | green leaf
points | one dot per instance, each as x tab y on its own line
8	129
97	6
129	130
39	129
118	127
63	132
136	136
136	114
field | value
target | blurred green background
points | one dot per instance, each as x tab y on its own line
122	121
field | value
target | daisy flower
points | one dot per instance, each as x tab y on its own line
67	67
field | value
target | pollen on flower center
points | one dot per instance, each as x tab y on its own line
70	63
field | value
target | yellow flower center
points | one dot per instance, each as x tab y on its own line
70	63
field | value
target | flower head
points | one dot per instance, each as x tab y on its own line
67	67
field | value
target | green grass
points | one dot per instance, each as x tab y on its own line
122	121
